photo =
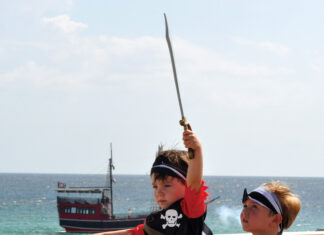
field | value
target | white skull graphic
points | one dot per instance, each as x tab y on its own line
171	217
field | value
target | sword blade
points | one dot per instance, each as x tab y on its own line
183	121
173	64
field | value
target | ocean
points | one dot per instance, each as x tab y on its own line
28	201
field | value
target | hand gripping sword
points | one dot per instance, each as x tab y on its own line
183	121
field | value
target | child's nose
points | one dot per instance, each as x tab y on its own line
245	210
159	191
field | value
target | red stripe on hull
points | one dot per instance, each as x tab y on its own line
68	229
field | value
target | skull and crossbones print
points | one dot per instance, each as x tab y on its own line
171	218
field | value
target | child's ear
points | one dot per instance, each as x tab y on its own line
276	220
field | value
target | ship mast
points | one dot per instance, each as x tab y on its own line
111	167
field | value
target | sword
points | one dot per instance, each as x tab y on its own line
183	121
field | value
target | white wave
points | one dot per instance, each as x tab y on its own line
228	215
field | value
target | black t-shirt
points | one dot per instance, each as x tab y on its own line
173	221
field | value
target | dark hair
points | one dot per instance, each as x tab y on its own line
176	159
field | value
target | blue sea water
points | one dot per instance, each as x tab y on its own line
28	201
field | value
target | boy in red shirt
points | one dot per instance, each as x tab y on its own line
179	190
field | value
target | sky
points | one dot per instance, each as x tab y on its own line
77	75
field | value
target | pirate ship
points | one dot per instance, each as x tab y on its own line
90	209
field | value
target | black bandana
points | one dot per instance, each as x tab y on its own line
265	198
163	166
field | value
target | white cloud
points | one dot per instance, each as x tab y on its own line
110	58
317	67
285	70
275	48
198	60
94	63
64	23
46	77
267	45
85	63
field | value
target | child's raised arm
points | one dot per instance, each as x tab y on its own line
195	166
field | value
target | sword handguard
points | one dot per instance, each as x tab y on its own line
186	126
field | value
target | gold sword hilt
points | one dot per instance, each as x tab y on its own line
186	126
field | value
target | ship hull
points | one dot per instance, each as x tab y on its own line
77	225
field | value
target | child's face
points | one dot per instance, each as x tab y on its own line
256	218
168	191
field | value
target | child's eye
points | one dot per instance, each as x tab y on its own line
154	186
